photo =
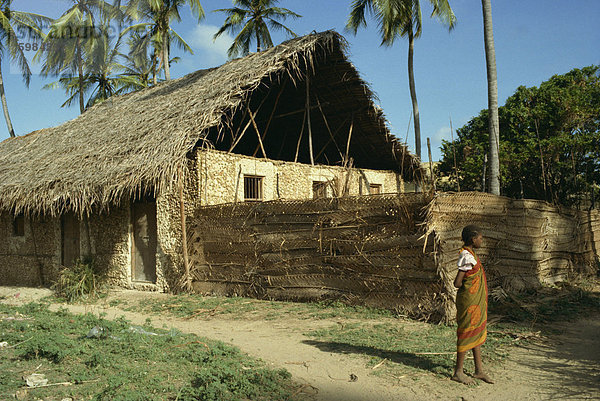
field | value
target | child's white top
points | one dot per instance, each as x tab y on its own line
466	261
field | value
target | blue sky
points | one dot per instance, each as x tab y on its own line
534	40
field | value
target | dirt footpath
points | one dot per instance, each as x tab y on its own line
566	366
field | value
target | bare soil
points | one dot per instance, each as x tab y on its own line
563	366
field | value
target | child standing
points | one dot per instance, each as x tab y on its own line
471	306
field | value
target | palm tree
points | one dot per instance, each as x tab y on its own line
400	18
494	125
252	19
70	39
101	79
30	26
138	64
160	14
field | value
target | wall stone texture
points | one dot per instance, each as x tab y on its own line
211	177
221	178
23	260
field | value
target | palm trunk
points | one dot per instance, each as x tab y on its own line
80	72
154	80
166	65
257	43
11	131
494	125
413	92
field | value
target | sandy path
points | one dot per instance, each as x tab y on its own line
564	367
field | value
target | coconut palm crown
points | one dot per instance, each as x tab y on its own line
157	16
400	18
250	20
15	25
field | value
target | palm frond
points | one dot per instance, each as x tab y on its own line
280	27
179	42
279	12
357	17
443	11
241	43
250	20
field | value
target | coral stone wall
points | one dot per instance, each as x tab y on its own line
221	178
169	259
110	243
34	258
25	261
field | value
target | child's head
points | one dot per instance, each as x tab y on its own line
471	236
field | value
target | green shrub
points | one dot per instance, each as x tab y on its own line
228	381
79	282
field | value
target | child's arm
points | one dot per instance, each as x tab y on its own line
458	281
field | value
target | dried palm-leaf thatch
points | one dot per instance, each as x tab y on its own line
136	142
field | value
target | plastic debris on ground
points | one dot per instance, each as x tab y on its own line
35	380
140	330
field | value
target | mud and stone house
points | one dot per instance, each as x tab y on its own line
118	182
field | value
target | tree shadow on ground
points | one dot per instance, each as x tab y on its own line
402	358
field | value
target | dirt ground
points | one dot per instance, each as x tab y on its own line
562	367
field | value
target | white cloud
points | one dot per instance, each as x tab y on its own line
436	143
442	133
214	52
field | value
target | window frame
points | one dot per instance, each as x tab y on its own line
258	187
18	225
377	187
317	187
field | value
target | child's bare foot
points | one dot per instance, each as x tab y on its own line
462	378
484	377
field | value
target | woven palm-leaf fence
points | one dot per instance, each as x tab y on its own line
392	251
527	243
362	250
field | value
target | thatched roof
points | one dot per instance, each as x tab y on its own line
140	140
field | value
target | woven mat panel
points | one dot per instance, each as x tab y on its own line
367	249
526	242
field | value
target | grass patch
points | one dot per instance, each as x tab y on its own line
118	361
188	306
408	348
198	306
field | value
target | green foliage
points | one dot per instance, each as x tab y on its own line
199	306
414	348
231	381
79	282
126	363
155	29
555	125
13	24
397	18
250	20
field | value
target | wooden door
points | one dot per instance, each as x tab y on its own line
70	239
144	241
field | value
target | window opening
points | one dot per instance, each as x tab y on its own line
375	189
19	225
319	189
253	188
